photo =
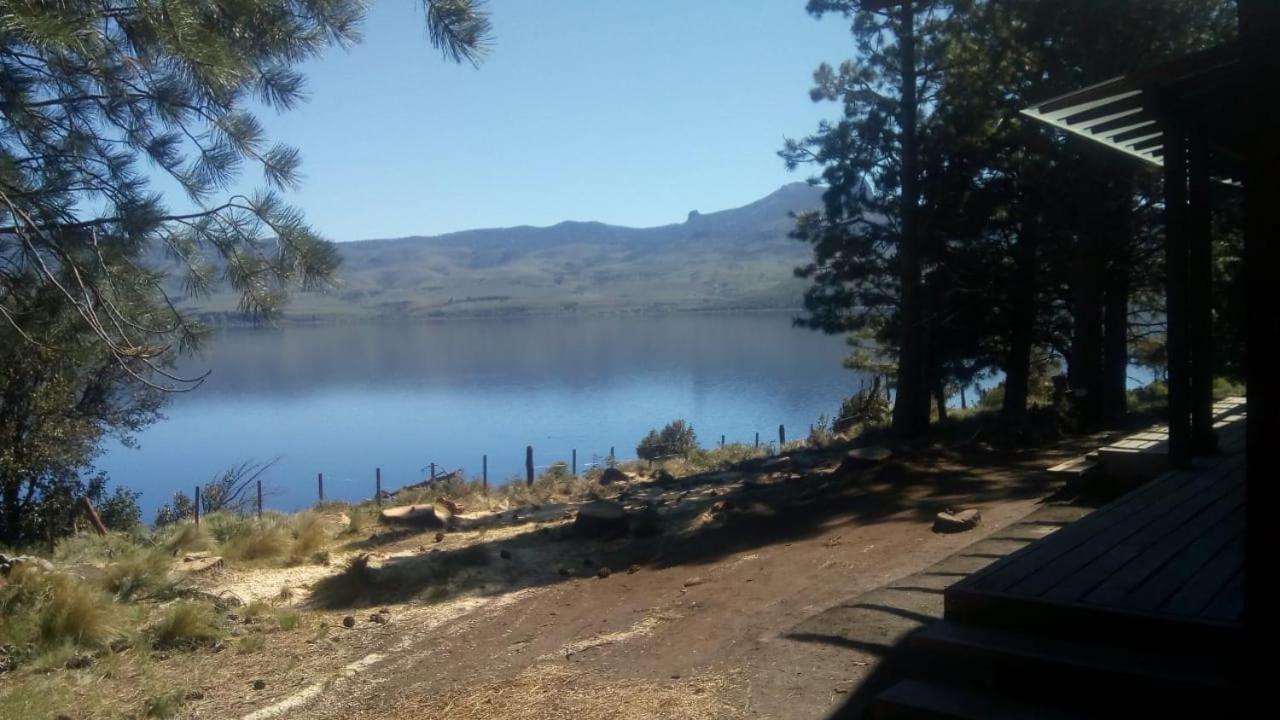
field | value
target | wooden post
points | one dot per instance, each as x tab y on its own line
575	462
94	519
433	471
528	465
613	459
195	503
484	473
1200	285
320	483
721	441
1176	261
377	486
782	436
259	499
757	439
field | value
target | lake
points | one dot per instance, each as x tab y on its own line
344	399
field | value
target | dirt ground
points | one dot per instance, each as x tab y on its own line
721	614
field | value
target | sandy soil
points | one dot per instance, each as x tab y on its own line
509	618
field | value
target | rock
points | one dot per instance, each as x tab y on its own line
953	522
78	662
505	554
601	519
694	581
612	475
861	458
777	464
259	684
603	573
379	618
646	523
633	569
348	622
195	695
413	515
439	537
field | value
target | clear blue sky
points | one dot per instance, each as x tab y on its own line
627	112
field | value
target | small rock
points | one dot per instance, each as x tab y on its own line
348	622
954	522
259	684
79	662
694	581
633	569
612	475
603	573
440	537
505	554
379	618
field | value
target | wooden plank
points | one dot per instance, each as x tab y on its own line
1213	575
1170	532
1228	605
1160	572
1093	537
1140	530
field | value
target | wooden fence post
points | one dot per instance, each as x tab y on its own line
782	436
377	486
259	499
757	439
575	462
94	518
528	465
196	505
721	441
320	482
484	473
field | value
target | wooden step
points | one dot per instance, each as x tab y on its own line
1096	678
917	700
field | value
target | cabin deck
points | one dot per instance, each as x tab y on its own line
1167	555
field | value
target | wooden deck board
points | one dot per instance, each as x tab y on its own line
1170	551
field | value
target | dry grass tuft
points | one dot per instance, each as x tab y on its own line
257	541
187	537
142	574
309	537
186	624
49	611
547	691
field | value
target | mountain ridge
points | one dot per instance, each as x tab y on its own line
734	259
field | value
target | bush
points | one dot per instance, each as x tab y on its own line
187	537
142	574
865	407
186	624
257	541
676	438
42	611
309	537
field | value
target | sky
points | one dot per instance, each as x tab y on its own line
622	111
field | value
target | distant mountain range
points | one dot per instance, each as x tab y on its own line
726	260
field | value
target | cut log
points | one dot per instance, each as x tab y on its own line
954	522
199	562
415	515
865	457
601	519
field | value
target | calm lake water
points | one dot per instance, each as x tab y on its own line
343	400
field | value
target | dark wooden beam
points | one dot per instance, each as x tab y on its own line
1200	286
1176	256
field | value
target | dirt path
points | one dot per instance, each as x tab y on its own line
714	619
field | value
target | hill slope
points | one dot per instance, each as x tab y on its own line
732	259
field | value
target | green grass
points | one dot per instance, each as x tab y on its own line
186	624
55	613
145	573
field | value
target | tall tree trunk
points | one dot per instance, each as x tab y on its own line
911	407
1022	298
940	398
1085	359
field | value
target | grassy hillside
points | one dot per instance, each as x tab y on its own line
739	258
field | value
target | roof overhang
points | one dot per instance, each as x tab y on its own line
1131	114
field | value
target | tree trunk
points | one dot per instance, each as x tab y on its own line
1022	298
911	406
940	399
1084	363
1115	313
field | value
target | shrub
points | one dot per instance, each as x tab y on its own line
676	438
90	547
257	541
42	611
139	575
865	407
187	537
186	624
288	619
